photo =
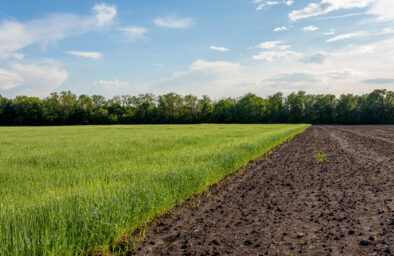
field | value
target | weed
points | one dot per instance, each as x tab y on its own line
320	157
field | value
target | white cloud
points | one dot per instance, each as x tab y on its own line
217	68
272	2
361	34
15	35
273	45
110	85
384	9
260	6
32	79
104	13
90	55
289	3
326	6
39	79
337	72
277	50
283	28
330	33
345	36
310	28
274	55
219	48
312	9
216	78
347	4
9	80
341	16
263	3
134	33
174	22
42	77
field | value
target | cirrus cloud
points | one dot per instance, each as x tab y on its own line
218	48
327	6
89	55
174	22
361	34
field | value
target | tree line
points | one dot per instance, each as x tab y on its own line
66	108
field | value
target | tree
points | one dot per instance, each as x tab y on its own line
347	111
66	108
145	109
373	110
28	110
275	111
69	101
99	101
190	109
169	106
250	109
389	108
53	113
223	111
7	112
204	115
82	112
296	105
324	107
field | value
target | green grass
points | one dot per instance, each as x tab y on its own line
70	190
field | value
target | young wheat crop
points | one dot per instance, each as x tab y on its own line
71	190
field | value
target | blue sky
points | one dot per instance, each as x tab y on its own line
216	47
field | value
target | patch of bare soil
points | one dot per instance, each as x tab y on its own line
290	204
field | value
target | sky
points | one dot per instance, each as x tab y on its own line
219	48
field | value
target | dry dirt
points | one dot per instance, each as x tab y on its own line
290	204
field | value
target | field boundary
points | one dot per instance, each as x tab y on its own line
128	242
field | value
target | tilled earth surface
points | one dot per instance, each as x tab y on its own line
290	204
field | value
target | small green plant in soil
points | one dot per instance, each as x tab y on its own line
320	157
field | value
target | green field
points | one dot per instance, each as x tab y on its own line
70	190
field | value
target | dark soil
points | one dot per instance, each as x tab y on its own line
290	204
